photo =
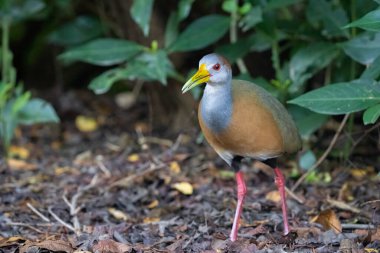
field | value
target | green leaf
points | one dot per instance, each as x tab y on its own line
20	10
201	33
371	115
230	6
141	11
103	52
372	71
369	22
364	48
19	102
252	18
184	8
341	98
309	60
77	31
236	50
37	111
102	83
332	16
307	121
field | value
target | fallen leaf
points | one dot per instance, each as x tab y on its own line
328	220
16	164
375	236
153	204
358	173
117	214
226	174
86	124
18	151
111	246
174	167
184	188
133	158
6	242
151	220
64	170
273	196
51	245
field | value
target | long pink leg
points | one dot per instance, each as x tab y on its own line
241	191
280	182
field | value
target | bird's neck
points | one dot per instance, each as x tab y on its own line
216	106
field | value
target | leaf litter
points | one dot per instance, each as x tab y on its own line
120	188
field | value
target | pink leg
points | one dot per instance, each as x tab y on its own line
280	182
241	191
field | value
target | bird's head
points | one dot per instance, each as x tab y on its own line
213	69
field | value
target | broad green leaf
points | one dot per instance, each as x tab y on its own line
341	98
364	48
20	10
102	83
184	8
331	15
371	115
372	71
309	60
103	52
77	31
171	29
141	11
307	160
236	50
307	121
20	102
37	111
252	18
369	22
201	33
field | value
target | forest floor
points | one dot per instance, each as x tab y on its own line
121	188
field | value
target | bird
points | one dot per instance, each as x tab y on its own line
240	119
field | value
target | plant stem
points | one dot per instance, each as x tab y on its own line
233	38
276	61
5	50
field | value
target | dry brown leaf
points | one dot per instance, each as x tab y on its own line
148	220
153	204
117	214
174	167
375	235
16	164
111	246
11	241
328	220
52	245
133	158
86	124
18	151
273	196
184	188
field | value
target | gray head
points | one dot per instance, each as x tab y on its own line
213	69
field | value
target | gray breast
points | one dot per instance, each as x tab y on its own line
216	107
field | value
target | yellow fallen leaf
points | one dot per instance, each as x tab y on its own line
328	220
153	204
273	196
151	219
62	170
174	167
20	165
86	124
17	151
117	214
184	188
358	173
133	158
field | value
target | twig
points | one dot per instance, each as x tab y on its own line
37	212
364	135
358	226
102	167
370	202
343	205
323	157
59	219
294	196
20	224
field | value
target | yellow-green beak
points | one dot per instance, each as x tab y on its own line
202	76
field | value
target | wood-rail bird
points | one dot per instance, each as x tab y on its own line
240	119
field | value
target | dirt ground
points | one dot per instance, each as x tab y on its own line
124	188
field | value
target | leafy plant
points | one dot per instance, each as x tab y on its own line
16	105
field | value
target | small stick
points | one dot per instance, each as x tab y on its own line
37	212
358	226
102	167
294	196
60	220
323	157
20	224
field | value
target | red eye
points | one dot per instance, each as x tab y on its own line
216	67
